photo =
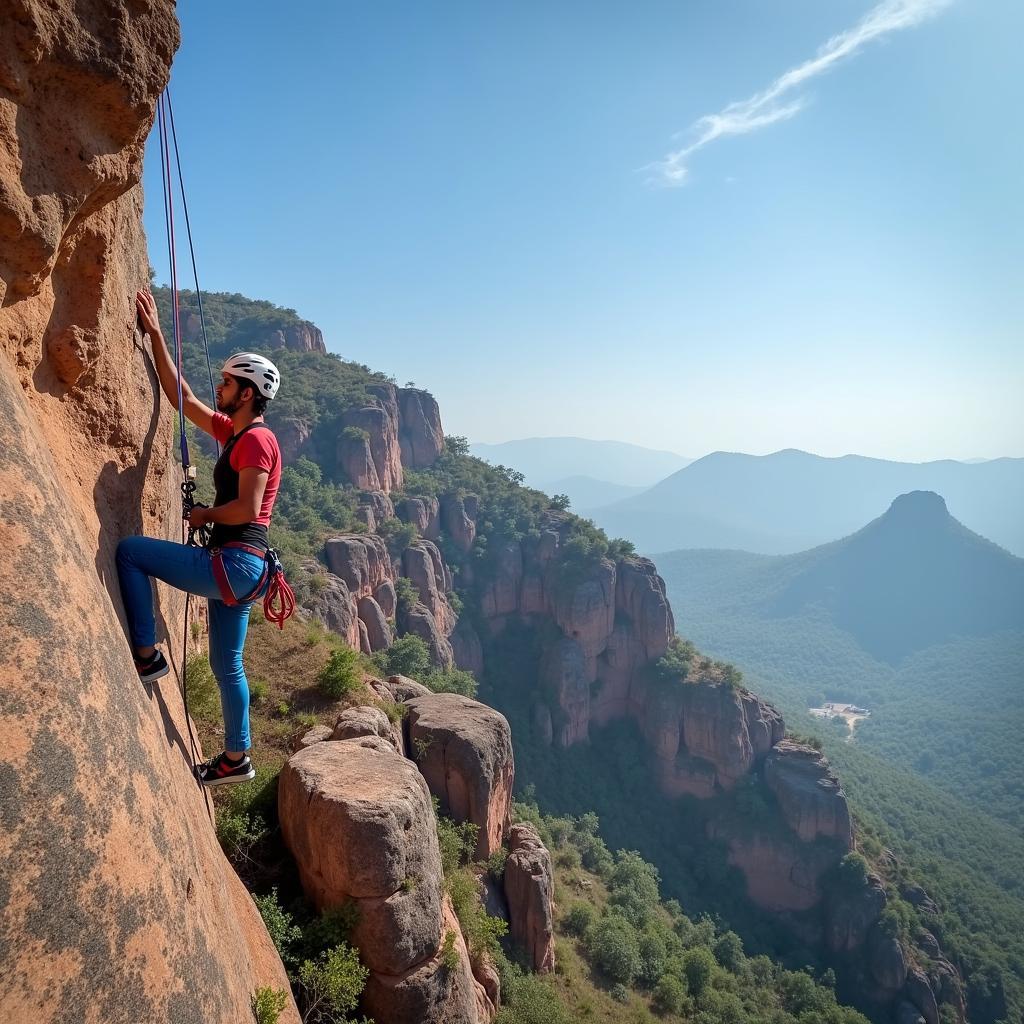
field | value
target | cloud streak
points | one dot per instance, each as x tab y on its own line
774	103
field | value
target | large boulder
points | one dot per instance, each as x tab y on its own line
330	602
464	750
116	902
378	631
359	823
809	794
456	520
361	561
424	513
423	565
419	434
366	720
529	890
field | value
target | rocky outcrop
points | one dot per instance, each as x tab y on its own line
886	959
782	875
809	794
464	750
359	822
467	649
301	336
418	620
423	565
851	912
366	720
378	632
424	513
706	737
330	602
529	889
292	437
419	434
457	521
374	508
120	906
564	682
361	560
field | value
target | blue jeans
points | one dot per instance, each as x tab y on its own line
189	569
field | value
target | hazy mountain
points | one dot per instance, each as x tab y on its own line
791	500
914	616
547	460
586	493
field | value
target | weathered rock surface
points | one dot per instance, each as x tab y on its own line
886	959
529	889
919	992
418	620
467	649
849	915
378	631
359	823
317	734
361	560
424	513
423	565
366	720
120	906
420	434
564	680
464	750
331	603
298	337
456	520
809	794
404	689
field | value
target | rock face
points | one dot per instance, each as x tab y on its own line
423	513
529	889
809	794
298	337
361	560
123	907
464	750
419	432
359	822
331	603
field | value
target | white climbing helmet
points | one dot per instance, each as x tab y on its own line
260	370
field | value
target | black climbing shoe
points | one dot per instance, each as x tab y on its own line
219	771
152	668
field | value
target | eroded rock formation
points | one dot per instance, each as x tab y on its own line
464	750
359	822
529	889
118	905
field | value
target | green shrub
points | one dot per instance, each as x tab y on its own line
698	966
526	998
407	656
728	950
451	680
257	692
619	993
341	675
633	884
201	688
669	995
449	954
457	842
481	930
397	535
496	862
267	1004
282	928
332	983
579	918
612	943
239	833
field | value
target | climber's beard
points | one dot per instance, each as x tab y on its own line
229	408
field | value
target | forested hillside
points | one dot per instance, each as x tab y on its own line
499	548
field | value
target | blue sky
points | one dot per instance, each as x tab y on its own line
480	198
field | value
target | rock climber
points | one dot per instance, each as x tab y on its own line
246	479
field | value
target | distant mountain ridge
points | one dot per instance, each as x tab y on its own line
791	501
544	461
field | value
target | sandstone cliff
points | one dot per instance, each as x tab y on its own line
117	903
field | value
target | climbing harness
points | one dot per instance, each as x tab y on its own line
279	600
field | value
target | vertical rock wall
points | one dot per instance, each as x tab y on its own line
116	904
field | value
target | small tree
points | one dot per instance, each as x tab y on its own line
408	656
698	966
613	945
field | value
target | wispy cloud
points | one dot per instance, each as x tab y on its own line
774	103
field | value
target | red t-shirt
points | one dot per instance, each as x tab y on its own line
256	449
